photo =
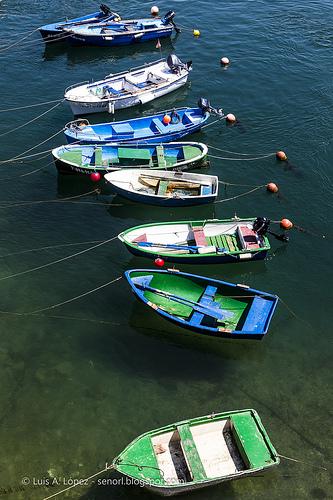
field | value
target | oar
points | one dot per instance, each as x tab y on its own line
182	300
190	248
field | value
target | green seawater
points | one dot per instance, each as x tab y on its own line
80	381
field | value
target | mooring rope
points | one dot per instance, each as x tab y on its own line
33	42
82	481
23	156
265	155
301	462
239	195
237	159
56	200
33	119
50	247
27	271
77	297
30	106
3	49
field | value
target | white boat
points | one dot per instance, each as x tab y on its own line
164	188
128	88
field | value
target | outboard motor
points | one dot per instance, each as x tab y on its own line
204	104
175	64
105	9
261	225
169	19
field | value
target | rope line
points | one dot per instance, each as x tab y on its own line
237	159
301	462
265	155
57	261
77	297
50	247
239	195
57	200
33	119
23	156
30	106
57	316
2	49
83	481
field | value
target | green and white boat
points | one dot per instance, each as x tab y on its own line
210	241
198	452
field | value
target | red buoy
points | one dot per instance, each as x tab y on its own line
95	176
281	155
159	262
166	119
230	118
225	61
272	187
286	224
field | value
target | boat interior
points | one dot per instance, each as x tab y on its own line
222	237
201	452
170	187
118	157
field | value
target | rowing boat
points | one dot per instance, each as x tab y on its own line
152	129
198	452
164	188
104	158
111	34
207	241
55	31
204	305
128	88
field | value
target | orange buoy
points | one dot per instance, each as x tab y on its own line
281	155
286	224
224	61
166	119
154	10
272	187
230	118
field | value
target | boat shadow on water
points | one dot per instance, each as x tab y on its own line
83	54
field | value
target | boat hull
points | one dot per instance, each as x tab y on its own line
119	40
198	258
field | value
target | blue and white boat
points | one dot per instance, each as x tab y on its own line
165	126
204	305
129	88
111	34
55	31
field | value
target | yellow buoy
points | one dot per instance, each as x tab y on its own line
196	32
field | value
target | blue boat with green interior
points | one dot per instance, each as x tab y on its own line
165	126
204	305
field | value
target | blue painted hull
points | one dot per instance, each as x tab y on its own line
120	40
163	202
236	290
54	31
148	130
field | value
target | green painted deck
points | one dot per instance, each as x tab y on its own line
237	307
132	153
190	152
98	156
140	452
178	286
191	453
160	157
224	241
74	156
162	188
251	441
